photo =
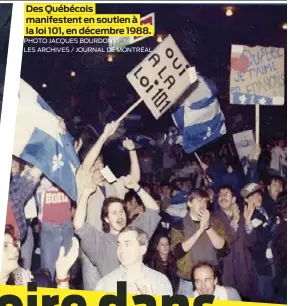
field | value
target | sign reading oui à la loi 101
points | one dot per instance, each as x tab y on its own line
257	75
162	77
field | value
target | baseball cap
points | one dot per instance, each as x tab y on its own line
249	189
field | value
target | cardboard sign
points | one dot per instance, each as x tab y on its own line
108	175
257	75
244	143
162	77
116	42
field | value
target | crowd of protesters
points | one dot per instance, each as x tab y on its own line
171	226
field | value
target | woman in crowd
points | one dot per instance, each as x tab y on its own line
13	274
162	260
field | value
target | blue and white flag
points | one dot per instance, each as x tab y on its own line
41	141
199	118
171	139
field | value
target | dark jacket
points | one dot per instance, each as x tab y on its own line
258	250
279	251
239	270
270	205
169	269
164	226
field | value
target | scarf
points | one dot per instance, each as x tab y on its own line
220	293
22	277
203	249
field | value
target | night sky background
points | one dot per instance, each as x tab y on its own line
204	34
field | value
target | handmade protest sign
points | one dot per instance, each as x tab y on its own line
244	143
257	75
162	77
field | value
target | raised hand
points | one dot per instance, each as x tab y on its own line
248	212
110	129
130	183
255	152
128	144
85	181
65	262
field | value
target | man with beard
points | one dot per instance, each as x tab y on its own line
241	236
100	246
93	163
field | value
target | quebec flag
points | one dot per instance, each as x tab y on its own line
41	141
199	118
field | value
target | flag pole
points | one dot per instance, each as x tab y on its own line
206	177
257	123
129	110
198	158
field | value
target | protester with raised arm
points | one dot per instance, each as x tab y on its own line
13	274
93	162
242	236
99	246
64	264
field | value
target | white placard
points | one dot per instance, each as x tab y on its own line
244	143
162	77
257	75
108	175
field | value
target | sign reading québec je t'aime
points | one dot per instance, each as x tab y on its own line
162	77
257	75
